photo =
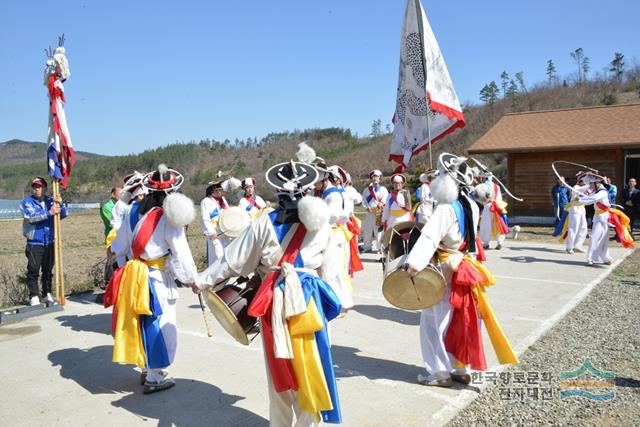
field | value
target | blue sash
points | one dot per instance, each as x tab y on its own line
457	208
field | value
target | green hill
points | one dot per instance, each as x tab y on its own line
93	177
17	152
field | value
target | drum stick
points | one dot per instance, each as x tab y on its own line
204	316
415	289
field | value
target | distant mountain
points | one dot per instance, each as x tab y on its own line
18	152
200	161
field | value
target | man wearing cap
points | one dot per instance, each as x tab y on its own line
210	209
397	209
37	227
251	202
450	335
423	195
144	291
291	250
373	199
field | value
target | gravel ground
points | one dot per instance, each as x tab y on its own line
603	328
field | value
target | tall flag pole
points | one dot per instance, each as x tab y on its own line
427	107
60	154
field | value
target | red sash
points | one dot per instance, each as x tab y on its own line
252	200
622	232
373	194
355	264
394	197
463	338
145	231
221	202
281	370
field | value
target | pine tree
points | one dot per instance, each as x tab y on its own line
520	80
577	56
512	93
551	72
585	66
617	67
505	82
376	128
489	93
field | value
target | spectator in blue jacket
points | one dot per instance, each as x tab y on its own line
560	197
37	227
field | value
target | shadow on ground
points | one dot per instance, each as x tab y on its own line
349	363
189	403
389	313
98	323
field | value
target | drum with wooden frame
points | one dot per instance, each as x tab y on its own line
229	306
400	289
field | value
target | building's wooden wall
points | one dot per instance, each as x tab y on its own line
530	175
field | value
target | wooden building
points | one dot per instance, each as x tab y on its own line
605	138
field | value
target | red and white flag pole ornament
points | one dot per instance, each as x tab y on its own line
427	107
60	155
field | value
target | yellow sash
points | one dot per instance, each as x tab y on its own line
313	393
133	300
499	340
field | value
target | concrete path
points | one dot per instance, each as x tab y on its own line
55	369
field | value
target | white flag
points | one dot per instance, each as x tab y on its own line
423	77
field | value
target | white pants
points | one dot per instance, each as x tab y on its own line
166	321
486	222
339	282
576	229
215	248
599	242
434	322
370	232
283	406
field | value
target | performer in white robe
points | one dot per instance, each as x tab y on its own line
251	202
442	231
450	235
396	208
489	227
577	220
356	198
210	209
153	238
334	196
598	250
261	248
423	194
374	197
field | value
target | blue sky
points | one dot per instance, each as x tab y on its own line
147	74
